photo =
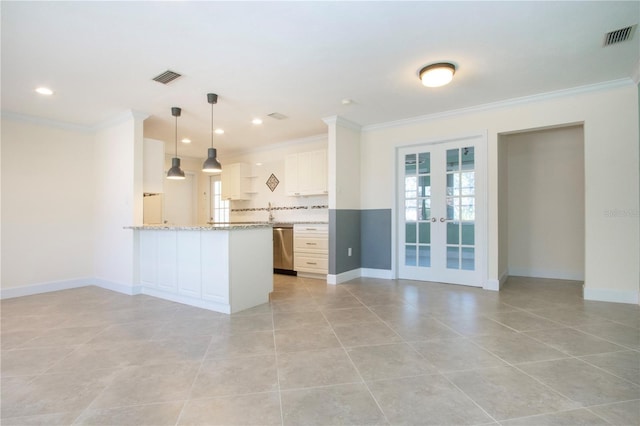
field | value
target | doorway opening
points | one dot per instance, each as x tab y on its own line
541	211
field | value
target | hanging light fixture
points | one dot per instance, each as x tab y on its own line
436	75
175	172
211	164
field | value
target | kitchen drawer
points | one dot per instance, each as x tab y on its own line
320	228
312	263
320	244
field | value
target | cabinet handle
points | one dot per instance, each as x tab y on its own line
310	229
311	244
311	263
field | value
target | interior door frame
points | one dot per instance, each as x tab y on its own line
483	262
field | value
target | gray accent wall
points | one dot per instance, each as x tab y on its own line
367	232
375	238
344	232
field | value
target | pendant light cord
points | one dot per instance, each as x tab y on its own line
176	136
212	125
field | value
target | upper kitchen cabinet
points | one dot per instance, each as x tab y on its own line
152	166
236	181
306	173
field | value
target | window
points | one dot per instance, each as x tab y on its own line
219	207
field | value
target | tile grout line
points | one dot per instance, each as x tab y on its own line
193	383
345	350
275	352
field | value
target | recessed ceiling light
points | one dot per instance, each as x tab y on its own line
44	91
258	164
347	101
219	132
436	75
186	140
256	121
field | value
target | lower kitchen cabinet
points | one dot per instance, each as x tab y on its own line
311	249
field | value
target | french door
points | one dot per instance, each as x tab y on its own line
442	212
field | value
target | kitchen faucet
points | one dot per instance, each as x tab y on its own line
270	213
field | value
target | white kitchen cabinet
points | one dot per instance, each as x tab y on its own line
152	166
306	173
236	181
311	249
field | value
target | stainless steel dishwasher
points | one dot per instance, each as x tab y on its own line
283	250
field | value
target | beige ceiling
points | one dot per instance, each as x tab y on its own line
300	59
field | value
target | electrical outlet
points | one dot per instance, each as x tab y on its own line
349	251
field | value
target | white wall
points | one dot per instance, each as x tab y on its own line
344	164
47	209
610	116
118	187
546	203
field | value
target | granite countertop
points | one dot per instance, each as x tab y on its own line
216	227
221	226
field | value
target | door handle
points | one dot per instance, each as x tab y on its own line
442	219
433	219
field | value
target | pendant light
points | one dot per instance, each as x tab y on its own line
211	164
175	172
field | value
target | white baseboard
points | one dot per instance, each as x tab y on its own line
28	290
385	274
544	273
493	285
198	303
606	295
117	287
343	277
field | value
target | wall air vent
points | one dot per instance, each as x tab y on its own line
166	77
617	36
277	116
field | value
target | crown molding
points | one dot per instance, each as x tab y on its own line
635	76
277	145
342	122
9	115
120	118
502	104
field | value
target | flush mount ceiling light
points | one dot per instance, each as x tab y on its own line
219	132
256	121
175	172
211	164
44	91
186	140
436	75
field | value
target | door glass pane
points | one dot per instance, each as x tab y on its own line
453	160
424	256
467	183
453	208
468	159
410	187
453	232
468	258
468	234
453	258
410	232
453	184
424	186
411	210
424	235
424	163
410	164
467	208
425	208
410	255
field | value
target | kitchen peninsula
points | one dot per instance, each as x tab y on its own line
224	268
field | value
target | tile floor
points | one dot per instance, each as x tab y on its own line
365	352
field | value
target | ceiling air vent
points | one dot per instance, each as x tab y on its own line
166	77
617	36
277	116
